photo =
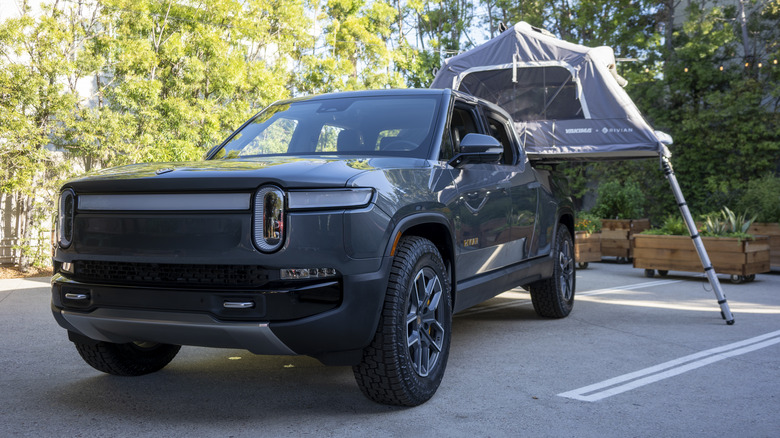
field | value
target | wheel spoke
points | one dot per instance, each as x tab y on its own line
436	344
432	288
414	339
425	333
418	357
424	359
420	292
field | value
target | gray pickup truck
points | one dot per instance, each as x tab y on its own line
348	227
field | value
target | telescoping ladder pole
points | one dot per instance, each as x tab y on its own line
725	312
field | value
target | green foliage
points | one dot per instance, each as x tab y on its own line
618	200
762	197
111	82
728	224
587	221
357	55
673	225
723	116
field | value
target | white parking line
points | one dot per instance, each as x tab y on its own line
608	388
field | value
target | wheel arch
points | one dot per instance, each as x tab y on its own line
435	228
567	219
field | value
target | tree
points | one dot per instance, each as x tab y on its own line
176	76
118	81
37	69
356	53
726	131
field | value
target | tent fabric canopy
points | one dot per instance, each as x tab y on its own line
565	102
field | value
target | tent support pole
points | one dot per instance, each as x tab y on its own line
725	312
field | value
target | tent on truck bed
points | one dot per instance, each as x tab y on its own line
566	99
568	104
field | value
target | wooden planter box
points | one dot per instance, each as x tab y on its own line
587	248
729	255
616	236
773	231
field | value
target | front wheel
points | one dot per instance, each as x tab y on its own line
405	362
132	359
554	297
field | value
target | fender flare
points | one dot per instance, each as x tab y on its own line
413	220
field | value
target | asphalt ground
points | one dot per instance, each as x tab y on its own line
637	357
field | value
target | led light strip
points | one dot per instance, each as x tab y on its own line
165	202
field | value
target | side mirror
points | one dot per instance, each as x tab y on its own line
477	148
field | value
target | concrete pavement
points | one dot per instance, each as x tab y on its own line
637	357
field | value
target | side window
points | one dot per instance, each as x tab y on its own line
328	138
463	122
499	130
447	149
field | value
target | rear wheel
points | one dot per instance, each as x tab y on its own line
132	359
405	362
554	297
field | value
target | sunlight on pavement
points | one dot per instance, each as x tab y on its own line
693	305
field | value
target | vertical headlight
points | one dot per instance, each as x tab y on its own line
269	218
65	214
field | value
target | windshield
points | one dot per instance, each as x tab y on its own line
400	126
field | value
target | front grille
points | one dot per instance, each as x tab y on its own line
170	275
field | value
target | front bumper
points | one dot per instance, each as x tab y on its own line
310	320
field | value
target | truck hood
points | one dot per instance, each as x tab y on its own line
243	174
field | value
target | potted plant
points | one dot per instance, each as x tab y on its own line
620	207
587	239
762	197
729	246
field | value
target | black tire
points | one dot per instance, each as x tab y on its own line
133	359
663	272
405	362
583	265
554	297
650	273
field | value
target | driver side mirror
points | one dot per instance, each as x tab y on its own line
477	148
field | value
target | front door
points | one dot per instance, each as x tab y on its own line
483	206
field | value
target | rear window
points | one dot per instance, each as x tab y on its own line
539	93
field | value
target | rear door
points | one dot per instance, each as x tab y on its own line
523	187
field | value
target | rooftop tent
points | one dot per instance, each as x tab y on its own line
568	104
566	99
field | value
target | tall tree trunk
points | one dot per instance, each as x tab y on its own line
25	230
669	5
743	23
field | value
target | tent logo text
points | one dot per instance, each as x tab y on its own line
606	130
579	130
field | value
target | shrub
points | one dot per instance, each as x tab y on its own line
673	225
619	201
762	197
728	224
587	221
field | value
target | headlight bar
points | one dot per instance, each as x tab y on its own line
65	213
329	198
